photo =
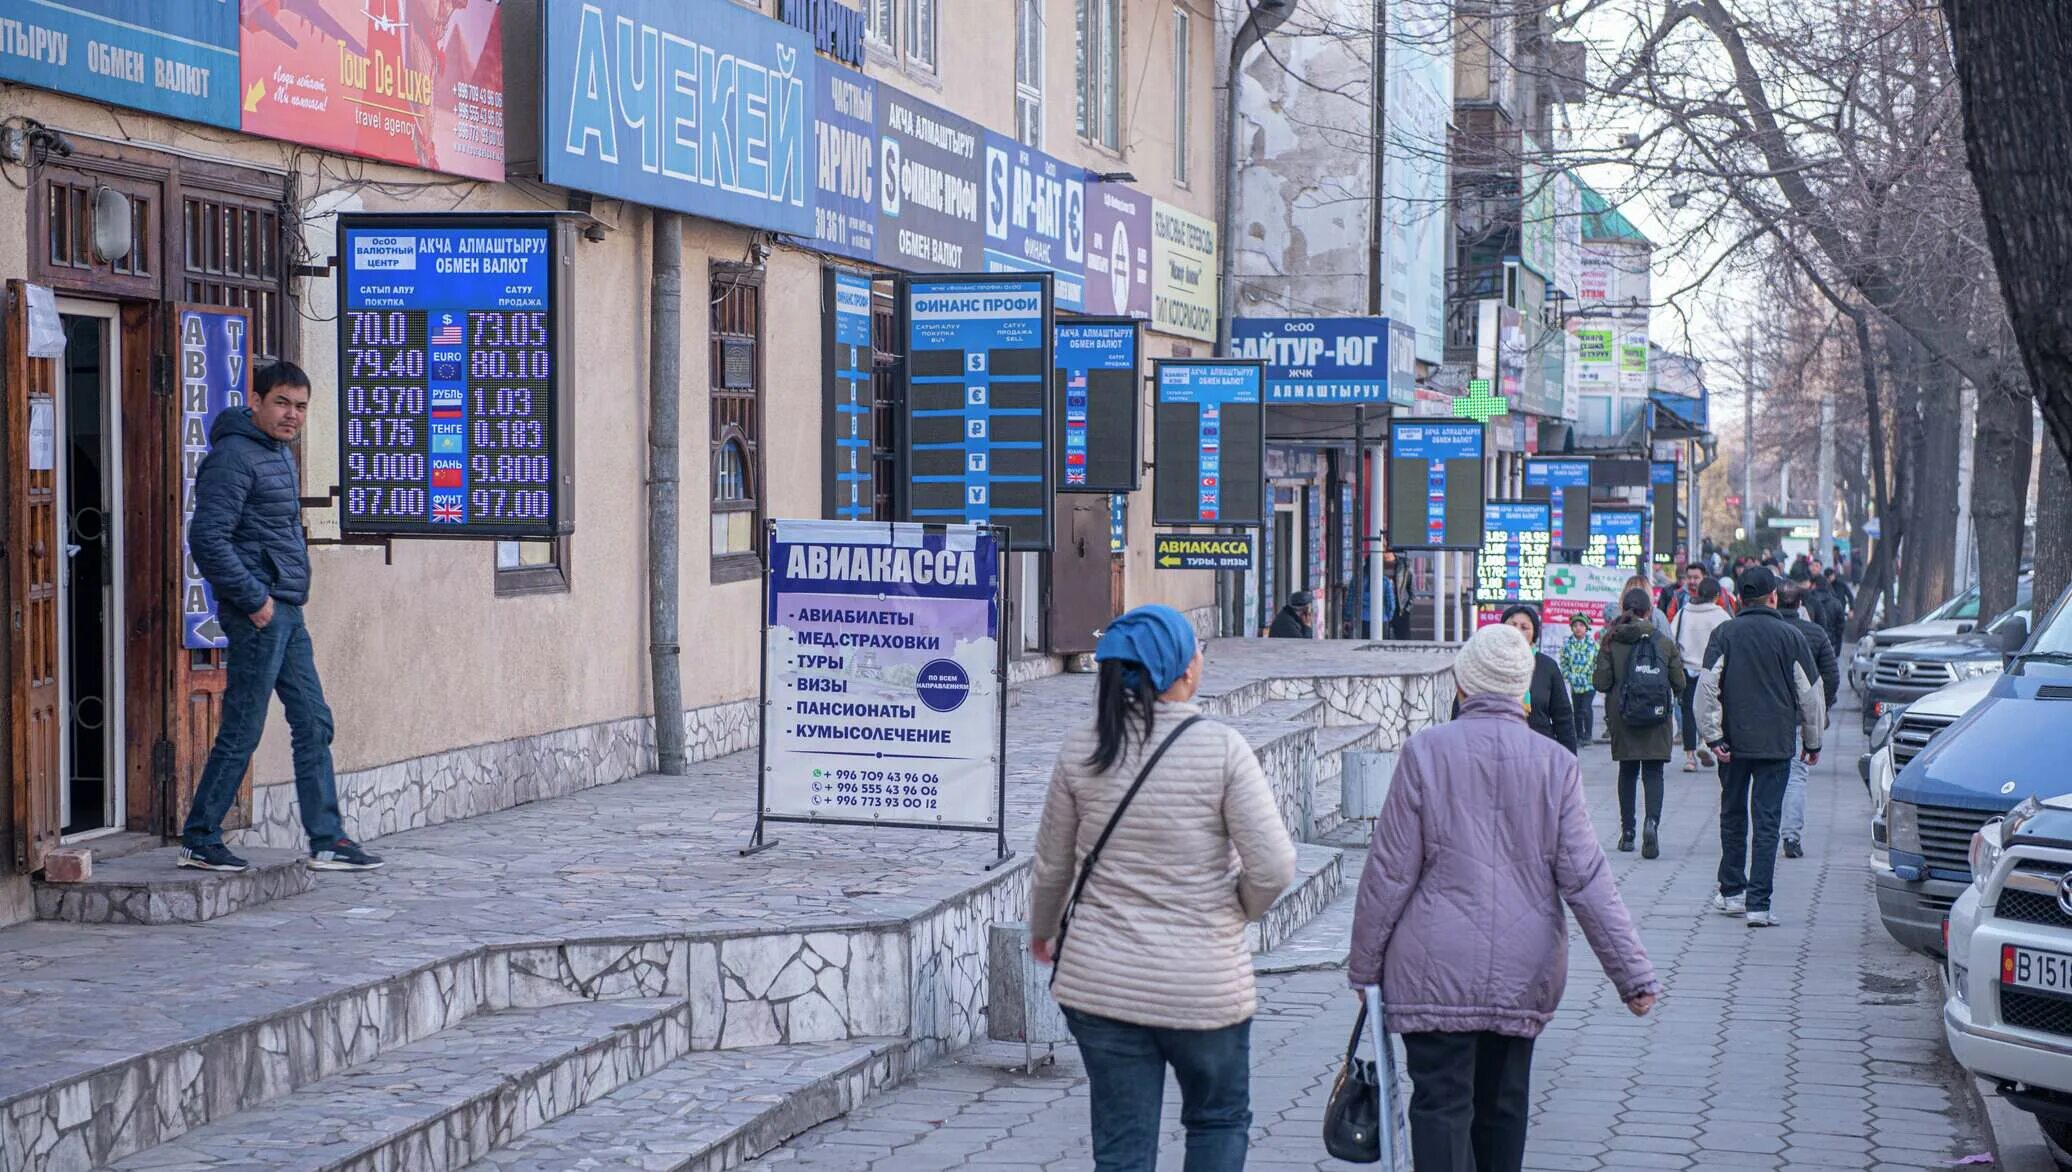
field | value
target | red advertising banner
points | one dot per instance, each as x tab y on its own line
416	82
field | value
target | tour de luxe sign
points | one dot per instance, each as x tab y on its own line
884	683
451	334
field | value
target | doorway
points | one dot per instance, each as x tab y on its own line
90	572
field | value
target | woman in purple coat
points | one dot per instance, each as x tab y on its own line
1482	839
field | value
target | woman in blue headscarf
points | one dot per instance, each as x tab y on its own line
1160	841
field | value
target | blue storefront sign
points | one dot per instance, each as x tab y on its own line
929	203
176	59
215	361
978	420
1318	359
704	109
1036	217
845	160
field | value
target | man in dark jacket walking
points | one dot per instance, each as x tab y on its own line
1293	621
246	538
1760	680
1789	599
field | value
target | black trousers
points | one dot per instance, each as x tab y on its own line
1687	705
1649	775
1471	1095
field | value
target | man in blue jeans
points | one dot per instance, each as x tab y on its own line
246	538
1761	682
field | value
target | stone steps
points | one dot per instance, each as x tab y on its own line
149	887
1320	875
1305	711
446	1100
711	1111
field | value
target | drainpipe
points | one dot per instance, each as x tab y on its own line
665	390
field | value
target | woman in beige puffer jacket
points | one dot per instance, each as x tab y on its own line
1155	970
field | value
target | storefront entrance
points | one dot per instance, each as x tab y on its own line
88	457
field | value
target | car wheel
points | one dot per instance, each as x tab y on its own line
2057	1133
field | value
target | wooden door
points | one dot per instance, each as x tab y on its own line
32	552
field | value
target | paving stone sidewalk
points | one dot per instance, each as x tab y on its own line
1815	1045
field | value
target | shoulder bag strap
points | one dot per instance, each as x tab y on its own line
1093	856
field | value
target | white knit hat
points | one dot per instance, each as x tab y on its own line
1496	661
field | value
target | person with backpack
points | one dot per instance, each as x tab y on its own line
1693	629
1160	840
1640	673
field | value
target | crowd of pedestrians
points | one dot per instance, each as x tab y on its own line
1160	840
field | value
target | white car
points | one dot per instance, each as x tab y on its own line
2008	977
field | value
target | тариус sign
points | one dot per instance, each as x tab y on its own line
451	335
176	59
415	82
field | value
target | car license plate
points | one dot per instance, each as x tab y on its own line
2030	968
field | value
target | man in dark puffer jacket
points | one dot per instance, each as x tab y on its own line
246	538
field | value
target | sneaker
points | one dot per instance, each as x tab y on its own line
1706	758
1730	905
1626	840
343	855
1762	919
1792	849
1650	843
1690	763
213	857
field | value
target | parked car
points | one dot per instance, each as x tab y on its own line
2012	744
1911	910
2007	1008
1956	617
1909	671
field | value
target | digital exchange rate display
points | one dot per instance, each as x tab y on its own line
449	357
1095	372
1511	566
1208	425
1435	485
1618	538
1564	484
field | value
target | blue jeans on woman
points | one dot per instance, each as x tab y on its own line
1126	1069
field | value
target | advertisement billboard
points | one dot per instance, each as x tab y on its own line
930	206
416	82
1036	217
179	60
452	333
845	153
725	137
1118	251
978	430
1183	273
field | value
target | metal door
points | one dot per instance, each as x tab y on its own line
1081	568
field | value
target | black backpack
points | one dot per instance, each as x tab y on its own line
1644	697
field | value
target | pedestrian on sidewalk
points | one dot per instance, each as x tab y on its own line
1293	621
1483	837
1792	826
246	538
1612	610
1402	591
1640	673
1548	708
1694	627
1579	668
1760	680
1160	840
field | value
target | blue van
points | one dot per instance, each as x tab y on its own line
2015	742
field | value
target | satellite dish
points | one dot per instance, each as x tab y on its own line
114	229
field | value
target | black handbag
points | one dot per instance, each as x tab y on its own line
1086	869
1352	1120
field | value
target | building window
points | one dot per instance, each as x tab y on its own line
737	379
879	19
1183	65
1028	72
1099	27
1596	415
532	567
920	34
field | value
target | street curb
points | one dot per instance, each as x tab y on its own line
2016	1141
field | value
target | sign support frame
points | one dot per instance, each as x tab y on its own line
759	840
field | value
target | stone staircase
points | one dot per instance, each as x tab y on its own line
628	1048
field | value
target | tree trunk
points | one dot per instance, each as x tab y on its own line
2053	531
2017	122
2000	453
1932	530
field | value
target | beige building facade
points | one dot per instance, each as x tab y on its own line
471	676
